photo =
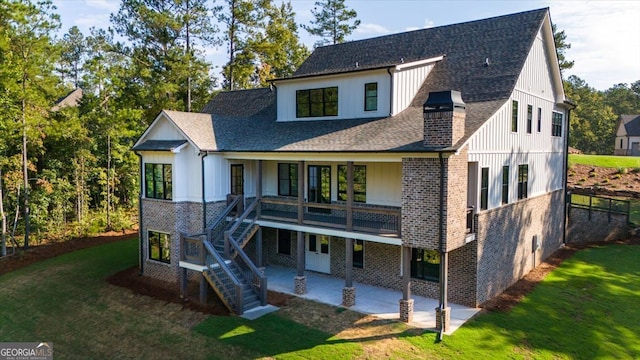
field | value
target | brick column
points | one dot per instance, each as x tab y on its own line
440	314
406	310
348	296
300	285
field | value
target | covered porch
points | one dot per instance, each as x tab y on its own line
373	300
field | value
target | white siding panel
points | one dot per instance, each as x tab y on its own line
536	73
350	95
164	130
218	177
406	84
187	171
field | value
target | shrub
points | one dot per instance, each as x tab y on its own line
622	170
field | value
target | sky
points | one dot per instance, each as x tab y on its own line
604	34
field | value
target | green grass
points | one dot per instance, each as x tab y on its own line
608	161
585	309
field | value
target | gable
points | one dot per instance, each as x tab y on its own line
163	129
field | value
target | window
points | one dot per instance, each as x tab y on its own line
317	102
514	116
159	246
539	119
371	97
237	179
284	241
358	253
359	183
425	264
556	124
158	181
529	118
620	143
484	189
523	179
288	179
505	184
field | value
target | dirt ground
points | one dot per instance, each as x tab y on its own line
169	292
604	181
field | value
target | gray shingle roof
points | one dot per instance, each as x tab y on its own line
246	120
631	124
196	126
71	99
159	145
504	40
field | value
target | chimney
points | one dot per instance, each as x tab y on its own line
444	118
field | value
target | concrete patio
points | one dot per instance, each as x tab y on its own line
380	302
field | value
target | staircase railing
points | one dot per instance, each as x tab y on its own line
228	287
252	274
236	224
215	231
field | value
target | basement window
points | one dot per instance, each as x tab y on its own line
425	264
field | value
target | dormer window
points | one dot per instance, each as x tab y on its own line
371	97
317	102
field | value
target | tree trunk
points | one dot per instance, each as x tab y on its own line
108	182
3	218
25	174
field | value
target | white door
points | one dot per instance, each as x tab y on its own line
317	253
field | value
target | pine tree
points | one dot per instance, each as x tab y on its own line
332	22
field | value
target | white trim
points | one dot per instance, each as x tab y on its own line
418	63
329	157
194	267
177	150
331	232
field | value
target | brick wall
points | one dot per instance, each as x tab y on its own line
270	249
443	129
505	241
172	218
421	201
600	226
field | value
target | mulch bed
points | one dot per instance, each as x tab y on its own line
47	251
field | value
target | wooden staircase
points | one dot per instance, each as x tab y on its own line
227	268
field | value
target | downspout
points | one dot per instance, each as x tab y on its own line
443	260
204	199
564	178
390	91
140	217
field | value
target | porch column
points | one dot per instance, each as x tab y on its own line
406	303
300	281
259	188
349	291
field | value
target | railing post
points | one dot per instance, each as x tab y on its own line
590	204
227	249
201	252
263	290
239	304
609	212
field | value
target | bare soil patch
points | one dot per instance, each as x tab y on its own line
604	181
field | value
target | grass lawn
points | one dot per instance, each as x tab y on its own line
585	309
609	161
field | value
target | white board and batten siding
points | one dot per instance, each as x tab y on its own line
495	145
406	84
185	171
384	180
163	129
218	177
350	95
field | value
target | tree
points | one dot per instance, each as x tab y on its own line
279	49
241	20
72	50
28	75
560	40
622	99
332	22
169	72
592	122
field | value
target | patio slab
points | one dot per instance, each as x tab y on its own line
380	302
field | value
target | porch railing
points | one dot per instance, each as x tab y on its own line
365	218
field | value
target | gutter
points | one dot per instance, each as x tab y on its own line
390	90
443	263
564	175
140	217
204	199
